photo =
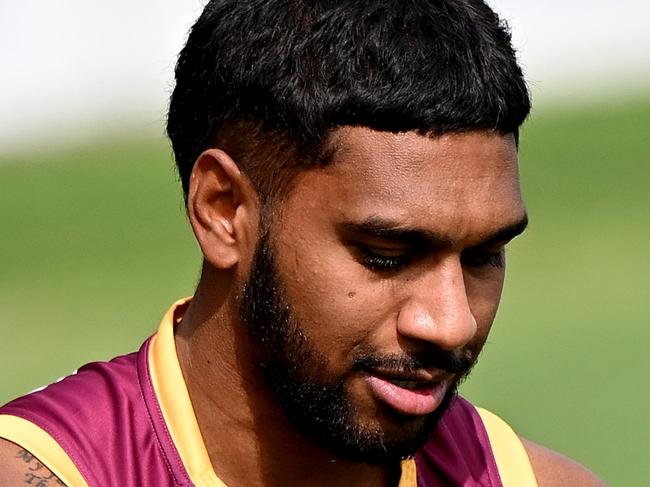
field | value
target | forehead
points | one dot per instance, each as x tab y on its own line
467	182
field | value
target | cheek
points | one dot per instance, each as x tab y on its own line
483	295
331	298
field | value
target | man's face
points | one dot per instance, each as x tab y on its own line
374	289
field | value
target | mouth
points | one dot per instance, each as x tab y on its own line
413	394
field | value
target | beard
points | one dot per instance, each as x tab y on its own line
320	407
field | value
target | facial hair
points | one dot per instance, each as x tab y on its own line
321	409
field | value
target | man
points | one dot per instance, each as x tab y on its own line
350	174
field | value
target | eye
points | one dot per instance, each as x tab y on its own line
478	258
384	259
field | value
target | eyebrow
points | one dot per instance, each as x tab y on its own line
378	227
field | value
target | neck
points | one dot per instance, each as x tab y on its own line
250	442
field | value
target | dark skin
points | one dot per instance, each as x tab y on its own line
434	213
18	467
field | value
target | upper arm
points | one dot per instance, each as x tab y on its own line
18	467
553	469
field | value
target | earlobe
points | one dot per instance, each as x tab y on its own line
218	205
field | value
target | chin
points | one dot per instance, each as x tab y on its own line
385	441
380	435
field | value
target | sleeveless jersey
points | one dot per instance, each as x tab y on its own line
130	423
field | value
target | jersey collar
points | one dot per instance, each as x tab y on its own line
176	406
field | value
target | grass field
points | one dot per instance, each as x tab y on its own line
95	246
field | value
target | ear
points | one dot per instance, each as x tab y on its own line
222	207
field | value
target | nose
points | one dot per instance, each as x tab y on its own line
438	310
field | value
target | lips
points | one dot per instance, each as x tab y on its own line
410	394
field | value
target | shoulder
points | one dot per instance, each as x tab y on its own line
76	418
91	390
553	469
20	467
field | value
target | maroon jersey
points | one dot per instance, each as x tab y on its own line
129	423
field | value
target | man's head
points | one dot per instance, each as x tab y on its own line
378	142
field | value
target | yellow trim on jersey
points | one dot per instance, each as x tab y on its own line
408	478
176	406
510	455
40	444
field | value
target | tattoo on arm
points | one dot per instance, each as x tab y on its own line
37	474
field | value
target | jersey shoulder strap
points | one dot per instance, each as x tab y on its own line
40	444
509	453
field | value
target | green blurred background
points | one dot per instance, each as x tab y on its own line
95	246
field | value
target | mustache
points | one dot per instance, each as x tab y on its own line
458	363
